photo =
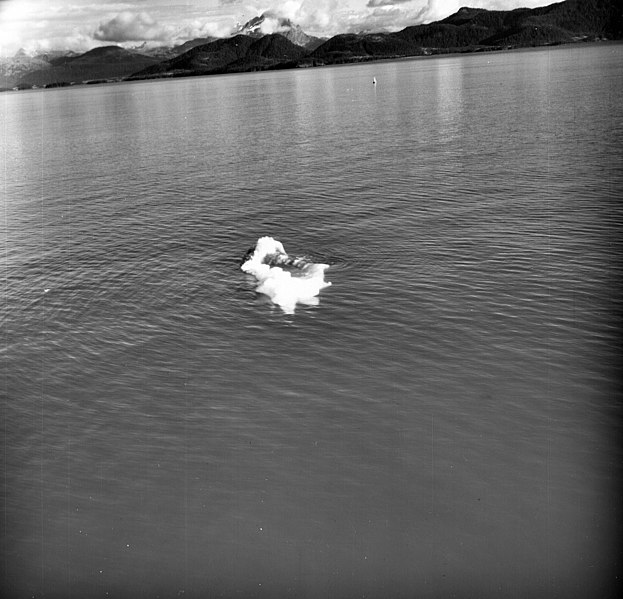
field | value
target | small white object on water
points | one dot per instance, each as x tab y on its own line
286	281
373	80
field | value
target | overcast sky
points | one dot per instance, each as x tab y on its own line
40	25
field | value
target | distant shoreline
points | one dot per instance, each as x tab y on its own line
345	63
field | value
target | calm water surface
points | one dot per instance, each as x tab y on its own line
444	423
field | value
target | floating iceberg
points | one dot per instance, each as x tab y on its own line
285	280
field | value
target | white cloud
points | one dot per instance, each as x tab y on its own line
329	17
377	3
128	27
440	9
316	15
83	24
199	28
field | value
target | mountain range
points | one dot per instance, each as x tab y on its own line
269	22
250	49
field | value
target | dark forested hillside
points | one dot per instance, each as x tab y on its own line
480	29
201	59
236	54
557	23
108	62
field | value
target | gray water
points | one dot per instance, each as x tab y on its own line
445	422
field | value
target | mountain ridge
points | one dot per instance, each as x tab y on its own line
478	29
237	54
467	30
101	63
282	25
